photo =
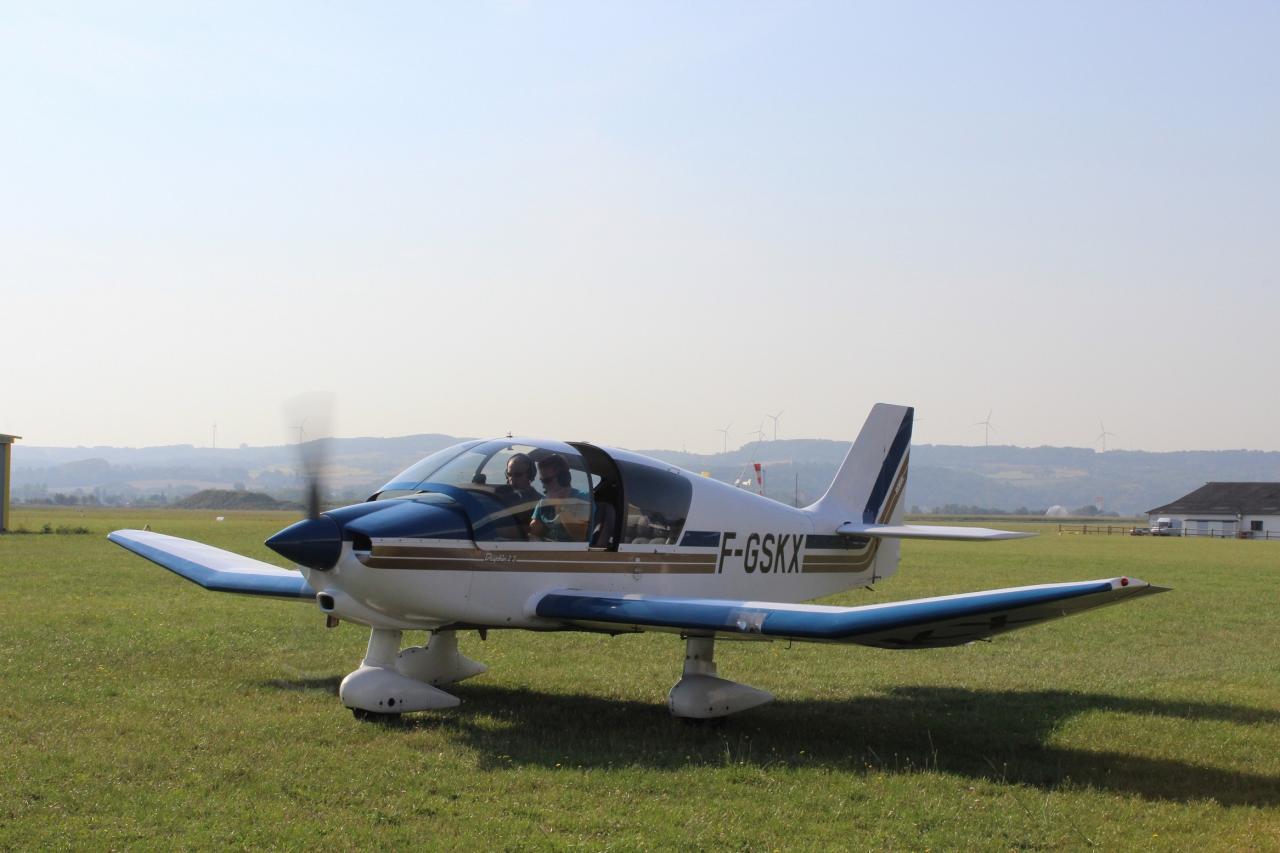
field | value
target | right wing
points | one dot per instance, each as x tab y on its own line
947	620
214	568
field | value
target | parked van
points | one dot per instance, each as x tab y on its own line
1166	527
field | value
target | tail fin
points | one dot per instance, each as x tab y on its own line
868	486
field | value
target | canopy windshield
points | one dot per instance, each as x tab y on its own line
408	480
515	490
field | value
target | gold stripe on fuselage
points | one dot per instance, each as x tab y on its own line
595	562
827	563
603	562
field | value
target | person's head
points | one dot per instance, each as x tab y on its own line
520	471
553	473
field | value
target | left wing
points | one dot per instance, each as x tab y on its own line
214	568
947	620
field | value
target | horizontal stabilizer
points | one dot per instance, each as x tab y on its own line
213	568
928	531
947	620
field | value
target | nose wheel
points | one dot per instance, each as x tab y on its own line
390	682
378	691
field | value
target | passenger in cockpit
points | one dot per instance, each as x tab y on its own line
564	514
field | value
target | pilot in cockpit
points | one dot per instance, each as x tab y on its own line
520	477
564	514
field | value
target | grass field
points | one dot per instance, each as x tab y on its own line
143	711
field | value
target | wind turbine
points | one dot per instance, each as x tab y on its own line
775	423
725	432
986	435
1103	435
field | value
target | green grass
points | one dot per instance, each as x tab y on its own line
142	710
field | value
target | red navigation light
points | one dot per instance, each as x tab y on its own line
1124	581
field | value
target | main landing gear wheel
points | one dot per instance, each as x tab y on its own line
701	695
703	722
374	716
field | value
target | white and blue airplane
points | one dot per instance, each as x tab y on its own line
615	542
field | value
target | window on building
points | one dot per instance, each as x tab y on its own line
1256	525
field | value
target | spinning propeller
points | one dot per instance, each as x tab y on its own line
316	541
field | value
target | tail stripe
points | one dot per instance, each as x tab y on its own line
892	460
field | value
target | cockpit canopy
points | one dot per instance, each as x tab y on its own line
481	463
601	499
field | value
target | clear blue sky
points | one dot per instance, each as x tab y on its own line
634	223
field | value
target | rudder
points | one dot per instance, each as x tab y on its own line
868	485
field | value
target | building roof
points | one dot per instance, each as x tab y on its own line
8	439
1227	499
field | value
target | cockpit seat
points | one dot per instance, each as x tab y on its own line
602	532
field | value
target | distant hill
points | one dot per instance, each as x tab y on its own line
230	499
798	470
159	475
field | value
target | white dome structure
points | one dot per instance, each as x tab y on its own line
1056	511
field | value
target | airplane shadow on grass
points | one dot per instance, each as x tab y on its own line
999	736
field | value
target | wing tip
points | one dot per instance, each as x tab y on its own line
1137	586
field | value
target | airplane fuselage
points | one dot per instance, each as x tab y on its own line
734	544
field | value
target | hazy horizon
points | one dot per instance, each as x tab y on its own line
18	446
640	224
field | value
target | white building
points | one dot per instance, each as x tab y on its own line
1248	510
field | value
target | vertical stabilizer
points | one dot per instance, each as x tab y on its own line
869	484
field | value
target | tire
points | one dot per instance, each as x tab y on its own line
374	716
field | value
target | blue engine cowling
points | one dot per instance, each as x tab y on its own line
317	542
